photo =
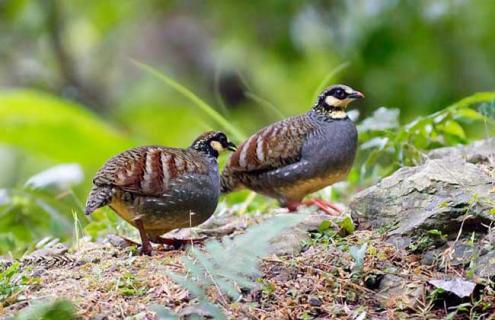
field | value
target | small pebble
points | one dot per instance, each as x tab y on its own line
314	301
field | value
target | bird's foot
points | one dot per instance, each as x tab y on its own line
177	243
325	206
146	248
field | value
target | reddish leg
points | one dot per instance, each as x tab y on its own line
177	243
325	206
146	247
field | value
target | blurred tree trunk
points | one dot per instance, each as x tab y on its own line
87	92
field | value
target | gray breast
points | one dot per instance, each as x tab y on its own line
326	157
332	147
189	201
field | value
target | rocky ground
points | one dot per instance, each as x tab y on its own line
445	207
424	249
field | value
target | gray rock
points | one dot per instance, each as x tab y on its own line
452	254
463	254
485	266
291	241
399	291
314	301
474	153
459	287
430	257
453	190
399	242
490	237
438	194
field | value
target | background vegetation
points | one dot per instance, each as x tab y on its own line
71	95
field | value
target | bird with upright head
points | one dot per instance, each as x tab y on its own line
158	189
292	158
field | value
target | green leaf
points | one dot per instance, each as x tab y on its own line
469	114
347	225
476	98
453	128
435	233
324	225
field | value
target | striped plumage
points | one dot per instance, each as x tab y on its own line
272	147
297	156
156	188
149	170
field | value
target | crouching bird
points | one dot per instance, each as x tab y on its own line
158	189
292	158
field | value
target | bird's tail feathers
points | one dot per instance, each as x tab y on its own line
99	197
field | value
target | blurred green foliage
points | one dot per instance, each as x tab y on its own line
13	281
70	94
48	310
386	146
46	126
10	283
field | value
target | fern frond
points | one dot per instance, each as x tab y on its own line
231	263
193	288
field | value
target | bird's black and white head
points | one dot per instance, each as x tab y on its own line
212	143
334	100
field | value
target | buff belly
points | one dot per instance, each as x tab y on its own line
159	217
301	188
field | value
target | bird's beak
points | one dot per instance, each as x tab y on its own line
356	95
231	146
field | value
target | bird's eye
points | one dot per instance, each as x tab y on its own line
221	138
339	94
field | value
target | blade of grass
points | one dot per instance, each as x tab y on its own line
77	225
245	204
329	77
265	103
206	108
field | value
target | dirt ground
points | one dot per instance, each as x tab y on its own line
321	282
